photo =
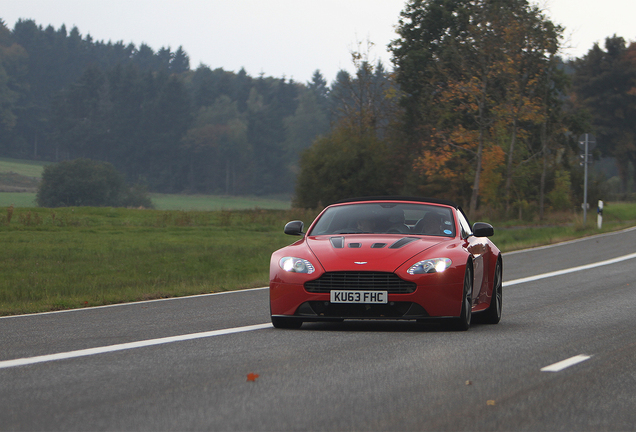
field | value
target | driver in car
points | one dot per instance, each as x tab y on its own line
431	224
366	224
396	223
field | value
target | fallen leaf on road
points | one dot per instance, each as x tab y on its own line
252	376
490	402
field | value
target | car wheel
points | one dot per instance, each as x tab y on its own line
286	323
463	322
492	315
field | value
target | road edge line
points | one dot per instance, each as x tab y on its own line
569	270
5	364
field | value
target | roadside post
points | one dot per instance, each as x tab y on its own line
587	142
599	212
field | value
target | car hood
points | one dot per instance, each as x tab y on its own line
368	252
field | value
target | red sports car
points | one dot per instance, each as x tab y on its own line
387	258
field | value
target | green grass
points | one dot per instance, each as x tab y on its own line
515	235
173	202
17	199
19	180
22	167
20	176
64	258
213	202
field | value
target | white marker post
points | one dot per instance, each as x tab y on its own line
599	211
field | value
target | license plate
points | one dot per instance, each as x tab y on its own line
341	296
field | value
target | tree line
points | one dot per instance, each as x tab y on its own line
479	108
484	111
161	123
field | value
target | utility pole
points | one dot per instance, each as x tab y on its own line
587	142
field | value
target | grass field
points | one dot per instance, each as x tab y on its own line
65	258
173	202
17	199
74	257
22	167
214	202
19	181
20	176
515	235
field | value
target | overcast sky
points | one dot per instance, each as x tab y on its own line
290	38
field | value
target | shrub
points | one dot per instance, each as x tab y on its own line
137	196
84	182
559	197
343	164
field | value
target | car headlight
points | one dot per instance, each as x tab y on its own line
434	265
296	265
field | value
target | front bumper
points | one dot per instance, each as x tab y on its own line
429	301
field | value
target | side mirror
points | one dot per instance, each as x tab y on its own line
481	229
294	228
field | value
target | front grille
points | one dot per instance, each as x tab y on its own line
380	281
317	310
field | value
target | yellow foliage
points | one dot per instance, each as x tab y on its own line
491	176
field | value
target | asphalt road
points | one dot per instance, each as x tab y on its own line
349	376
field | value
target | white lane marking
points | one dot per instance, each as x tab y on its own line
557	367
126	346
570	270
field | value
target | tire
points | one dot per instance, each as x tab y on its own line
463	322
492	315
286	323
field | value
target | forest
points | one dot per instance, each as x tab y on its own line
149	114
477	106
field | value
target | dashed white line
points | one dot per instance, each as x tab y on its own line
557	367
126	346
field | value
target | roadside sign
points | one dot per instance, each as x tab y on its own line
591	142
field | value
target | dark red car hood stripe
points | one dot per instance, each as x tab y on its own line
336	254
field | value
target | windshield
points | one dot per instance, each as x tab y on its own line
386	218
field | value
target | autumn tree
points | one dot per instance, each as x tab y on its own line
557	121
527	70
471	72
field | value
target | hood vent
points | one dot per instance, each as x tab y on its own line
402	242
337	242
